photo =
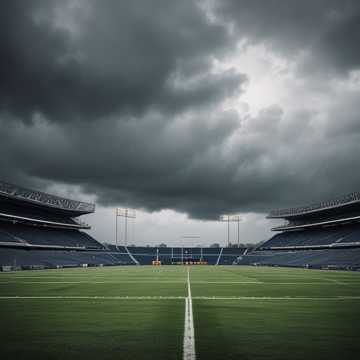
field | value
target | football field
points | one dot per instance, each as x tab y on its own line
139	312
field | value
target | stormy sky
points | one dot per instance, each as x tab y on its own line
184	110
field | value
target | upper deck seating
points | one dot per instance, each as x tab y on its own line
49	236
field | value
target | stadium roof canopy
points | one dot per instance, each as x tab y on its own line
344	206
18	196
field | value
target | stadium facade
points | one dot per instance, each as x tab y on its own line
323	235
39	230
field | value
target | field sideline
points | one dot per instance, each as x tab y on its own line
137	312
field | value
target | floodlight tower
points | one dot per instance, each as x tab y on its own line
126	214
232	218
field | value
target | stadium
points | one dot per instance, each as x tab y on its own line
233	298
179	180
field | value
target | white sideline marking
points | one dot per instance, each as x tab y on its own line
91	282
189	336
96	297
328	282
181	298
227	282
275	298
307	283
288	283
336	282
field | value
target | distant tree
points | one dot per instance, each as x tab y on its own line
215	245
162	245
231	245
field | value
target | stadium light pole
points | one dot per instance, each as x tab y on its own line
116	228
228	231
126	214
231	218
238	231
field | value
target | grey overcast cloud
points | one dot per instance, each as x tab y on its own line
184	110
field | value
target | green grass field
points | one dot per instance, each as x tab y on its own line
138	313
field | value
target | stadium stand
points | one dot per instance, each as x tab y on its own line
36	235
325	235
174	255
325	258
229	255
41	230
15	194
58	258
334	237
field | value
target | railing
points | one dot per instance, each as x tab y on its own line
15	218
347	199
44	199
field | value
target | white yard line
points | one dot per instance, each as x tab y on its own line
189	335
336	282
302	283
275	298
326	283
96	297
227	282
92	282
188	304
299	283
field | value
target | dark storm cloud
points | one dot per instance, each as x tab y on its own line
100	58
200	164
124	100
328	31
